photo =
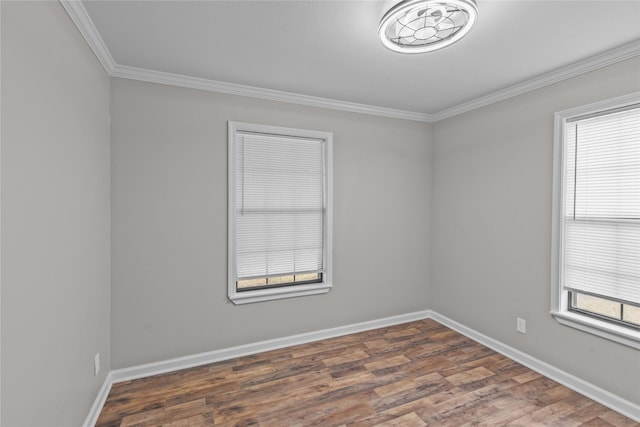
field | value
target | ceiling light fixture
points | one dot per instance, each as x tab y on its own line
418	26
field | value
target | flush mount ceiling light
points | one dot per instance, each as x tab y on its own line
418	26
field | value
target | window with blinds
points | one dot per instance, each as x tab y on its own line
279	211
601	215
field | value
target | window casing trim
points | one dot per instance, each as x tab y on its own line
601	328
559	296
290	291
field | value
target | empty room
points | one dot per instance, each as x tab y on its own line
319	213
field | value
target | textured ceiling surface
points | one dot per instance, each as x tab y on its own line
331	49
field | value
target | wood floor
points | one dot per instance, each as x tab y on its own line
414	374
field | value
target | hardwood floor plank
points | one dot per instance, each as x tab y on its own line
598	422
587	413
142	418
617	419
387	363
329	412
194	421
526	377
350	357
469	376
414	394
408	420
415	374
401	333
394	388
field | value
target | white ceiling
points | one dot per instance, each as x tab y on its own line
330	49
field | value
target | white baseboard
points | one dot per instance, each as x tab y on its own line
170	365
98	404
155	368
589	390
608	399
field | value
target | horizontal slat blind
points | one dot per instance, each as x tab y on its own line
280	205
602	205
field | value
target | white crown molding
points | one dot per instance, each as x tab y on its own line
589	390
81	19
261	93
592	63
78	14
593	392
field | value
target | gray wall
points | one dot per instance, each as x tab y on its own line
169	210
55	218
492	227
489	212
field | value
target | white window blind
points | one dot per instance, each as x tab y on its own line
601	249
280	205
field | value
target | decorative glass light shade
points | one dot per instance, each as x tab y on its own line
417	26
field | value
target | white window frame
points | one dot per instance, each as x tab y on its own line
290	291
559	296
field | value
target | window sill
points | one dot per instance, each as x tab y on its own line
259	295
603	329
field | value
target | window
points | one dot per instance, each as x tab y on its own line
280	197
596	221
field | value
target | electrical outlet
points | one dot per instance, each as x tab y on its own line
521	325
96	364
